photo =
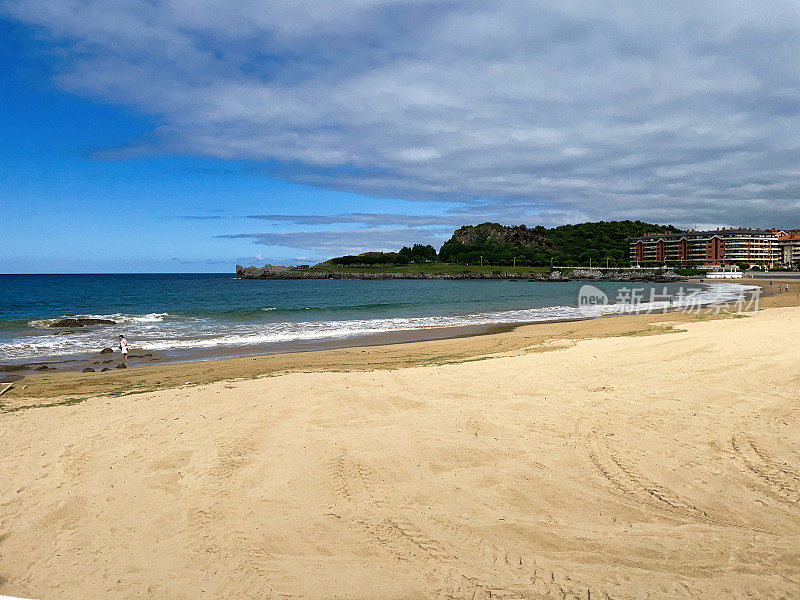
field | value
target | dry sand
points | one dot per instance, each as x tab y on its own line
636	466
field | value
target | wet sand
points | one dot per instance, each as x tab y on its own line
631	457
390	350
100	362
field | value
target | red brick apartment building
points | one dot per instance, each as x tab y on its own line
726	246
790	247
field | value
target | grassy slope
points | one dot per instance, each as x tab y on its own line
436	268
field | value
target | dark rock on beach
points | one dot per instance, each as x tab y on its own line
81	322
106	351
88	370
122	366
42	368
13	368
104	369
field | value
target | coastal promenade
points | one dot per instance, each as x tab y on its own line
653	456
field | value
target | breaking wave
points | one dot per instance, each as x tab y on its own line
161	331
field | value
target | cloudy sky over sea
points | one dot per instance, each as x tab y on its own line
187	136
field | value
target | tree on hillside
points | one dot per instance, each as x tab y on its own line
604	242
567	245
417	254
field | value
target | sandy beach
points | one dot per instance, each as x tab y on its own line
632	457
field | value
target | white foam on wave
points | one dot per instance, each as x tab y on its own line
149	318
156	331
273	333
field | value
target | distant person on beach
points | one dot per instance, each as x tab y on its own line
786	287
123	347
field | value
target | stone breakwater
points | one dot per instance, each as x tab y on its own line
278	272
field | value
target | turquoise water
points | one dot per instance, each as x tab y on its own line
180	312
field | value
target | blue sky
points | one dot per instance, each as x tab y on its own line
71	211
189	136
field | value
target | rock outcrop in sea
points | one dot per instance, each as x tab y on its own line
81	322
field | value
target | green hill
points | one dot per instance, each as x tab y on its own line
567	245
495	244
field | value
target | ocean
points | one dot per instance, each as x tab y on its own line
184	315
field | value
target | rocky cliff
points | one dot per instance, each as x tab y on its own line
519	236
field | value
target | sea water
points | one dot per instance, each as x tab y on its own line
178	313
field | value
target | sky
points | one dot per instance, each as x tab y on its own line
146	136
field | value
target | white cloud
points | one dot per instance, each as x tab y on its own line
346	241
680	111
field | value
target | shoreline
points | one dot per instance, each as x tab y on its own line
391	352
103	361
609	458
184	356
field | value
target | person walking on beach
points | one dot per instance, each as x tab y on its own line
123	347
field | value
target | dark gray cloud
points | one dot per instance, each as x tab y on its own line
680	112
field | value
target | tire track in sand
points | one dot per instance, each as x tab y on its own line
782	479
627	480
452	569
354	483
